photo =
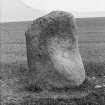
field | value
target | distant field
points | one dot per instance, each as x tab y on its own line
91	33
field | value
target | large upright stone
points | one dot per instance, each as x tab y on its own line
52	51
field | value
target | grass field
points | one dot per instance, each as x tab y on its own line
13	63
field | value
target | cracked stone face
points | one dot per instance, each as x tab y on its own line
52	51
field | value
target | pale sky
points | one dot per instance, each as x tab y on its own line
21	10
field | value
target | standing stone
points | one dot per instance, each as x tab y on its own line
52	51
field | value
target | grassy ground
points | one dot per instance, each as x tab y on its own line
16	91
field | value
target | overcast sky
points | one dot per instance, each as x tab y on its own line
20	10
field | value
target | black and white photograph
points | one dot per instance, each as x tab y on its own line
52	52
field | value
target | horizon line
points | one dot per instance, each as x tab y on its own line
29	20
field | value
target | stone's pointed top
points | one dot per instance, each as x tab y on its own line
60	13
61	16
55	22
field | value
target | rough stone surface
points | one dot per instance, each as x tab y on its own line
52	51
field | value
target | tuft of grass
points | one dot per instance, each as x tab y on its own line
96	69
